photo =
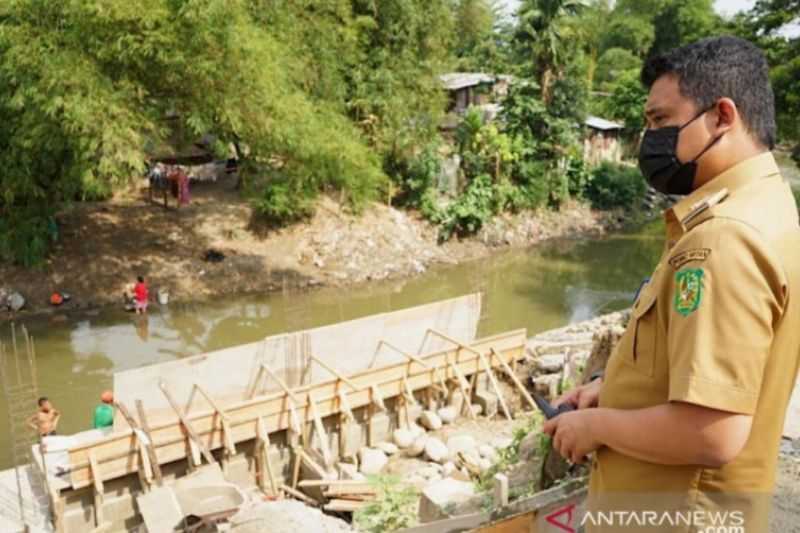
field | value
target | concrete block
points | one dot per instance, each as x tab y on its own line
488	402
160	510
350	439
448	497
379	428
408	414
237	471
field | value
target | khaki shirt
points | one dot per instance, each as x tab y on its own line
717	325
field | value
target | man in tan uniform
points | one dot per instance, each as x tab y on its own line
687	421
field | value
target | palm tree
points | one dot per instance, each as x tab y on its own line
542	35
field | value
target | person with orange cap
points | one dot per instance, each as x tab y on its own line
104	413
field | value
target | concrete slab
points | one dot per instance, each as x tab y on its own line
160	510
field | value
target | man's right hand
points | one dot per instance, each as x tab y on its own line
583	396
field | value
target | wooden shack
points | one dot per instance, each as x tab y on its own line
602	141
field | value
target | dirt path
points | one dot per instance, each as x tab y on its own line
103	246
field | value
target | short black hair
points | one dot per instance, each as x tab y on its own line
719	67
42	400
140	279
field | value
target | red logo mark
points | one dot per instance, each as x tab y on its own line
565	522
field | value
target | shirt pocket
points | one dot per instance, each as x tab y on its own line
641	337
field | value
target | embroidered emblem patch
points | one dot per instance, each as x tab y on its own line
698	254
688	290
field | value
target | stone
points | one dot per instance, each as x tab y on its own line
524	474
499	443
461	443
285	516
15	301
477	409
547	385
529	446
448	468
448	414
350	439
408	414
487	452
350	471
430	420
387	447
488	402
403	438
372	460
484	464
550	363
418	446
436	451
417	430
448	497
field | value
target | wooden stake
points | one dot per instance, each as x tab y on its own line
193	437
486	367
462	383
300	496
97	480
338	375
321	433
227	437
145	448
262	457
511	374
145	427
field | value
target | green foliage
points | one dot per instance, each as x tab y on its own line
612	64
508	456
613	185
630	33
470	211
415	177
394	508
626	102
680	22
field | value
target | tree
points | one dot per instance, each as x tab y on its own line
612	64
89	90
626	102
683	21
633	34
482	37
542	38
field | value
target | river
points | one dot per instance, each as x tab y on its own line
539	288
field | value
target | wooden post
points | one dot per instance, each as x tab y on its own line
225	422
262	458
99	499
463	385
291	399
511	374
500	490
145	427
192	435
486	367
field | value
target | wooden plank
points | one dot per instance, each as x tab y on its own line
97	481
448	525
525	523
146	471
363	489
115	454
300	496
344	506
230	446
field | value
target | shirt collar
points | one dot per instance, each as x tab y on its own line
742	173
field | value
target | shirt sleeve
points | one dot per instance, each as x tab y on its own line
727	293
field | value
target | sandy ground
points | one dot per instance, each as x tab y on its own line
785	516
104	246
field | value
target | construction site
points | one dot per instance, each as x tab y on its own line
402	421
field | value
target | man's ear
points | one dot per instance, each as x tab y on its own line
727	115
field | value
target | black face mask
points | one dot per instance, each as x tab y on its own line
659	162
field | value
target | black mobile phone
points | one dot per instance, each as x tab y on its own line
547	408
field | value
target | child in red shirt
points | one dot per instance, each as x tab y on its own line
140	294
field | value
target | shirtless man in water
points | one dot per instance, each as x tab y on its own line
46	418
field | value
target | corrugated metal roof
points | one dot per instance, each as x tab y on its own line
458	80
601	123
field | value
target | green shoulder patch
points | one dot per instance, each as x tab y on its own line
688	290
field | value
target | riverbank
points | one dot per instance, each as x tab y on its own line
102	247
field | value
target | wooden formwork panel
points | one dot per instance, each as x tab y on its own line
117	455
